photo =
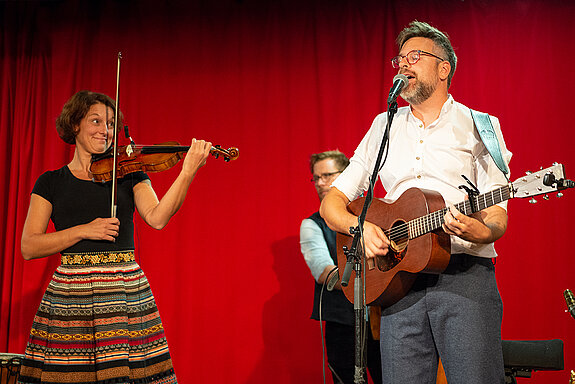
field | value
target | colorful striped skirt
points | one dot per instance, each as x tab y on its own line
97	324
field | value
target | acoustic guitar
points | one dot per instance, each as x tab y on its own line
418	243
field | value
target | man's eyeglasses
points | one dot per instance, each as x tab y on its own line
324	176
412	57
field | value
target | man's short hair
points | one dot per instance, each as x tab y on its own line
441	40
341	160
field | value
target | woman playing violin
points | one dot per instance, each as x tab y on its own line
98	321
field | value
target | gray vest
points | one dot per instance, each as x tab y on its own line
335	306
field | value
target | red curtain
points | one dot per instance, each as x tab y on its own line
279	80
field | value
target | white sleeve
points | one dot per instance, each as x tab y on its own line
355	178
314	248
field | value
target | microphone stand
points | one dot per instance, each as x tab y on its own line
354	261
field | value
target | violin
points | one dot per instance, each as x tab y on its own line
147	158
119	161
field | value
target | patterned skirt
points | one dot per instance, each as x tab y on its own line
97	324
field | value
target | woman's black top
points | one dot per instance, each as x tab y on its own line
75	201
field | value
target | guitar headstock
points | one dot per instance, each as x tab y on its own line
545	181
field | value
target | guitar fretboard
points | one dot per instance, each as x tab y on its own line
432	221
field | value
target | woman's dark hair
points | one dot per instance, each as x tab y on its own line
76	109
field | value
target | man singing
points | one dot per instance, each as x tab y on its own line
455	316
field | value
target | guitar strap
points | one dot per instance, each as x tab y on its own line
487	133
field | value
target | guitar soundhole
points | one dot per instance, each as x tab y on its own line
398	248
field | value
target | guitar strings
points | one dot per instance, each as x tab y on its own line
434	220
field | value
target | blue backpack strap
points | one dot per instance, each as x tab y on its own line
489	138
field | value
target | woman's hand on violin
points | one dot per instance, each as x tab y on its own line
157	213
196	156
102	229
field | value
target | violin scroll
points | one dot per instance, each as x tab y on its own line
228	154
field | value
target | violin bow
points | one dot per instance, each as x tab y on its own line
114	206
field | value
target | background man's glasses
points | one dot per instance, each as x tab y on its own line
324	177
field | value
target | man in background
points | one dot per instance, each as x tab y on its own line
318	246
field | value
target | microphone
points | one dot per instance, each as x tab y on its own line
347	273
399	82
570	300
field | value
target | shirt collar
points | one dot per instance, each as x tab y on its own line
445	109
447	106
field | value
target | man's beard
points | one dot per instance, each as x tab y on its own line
420	92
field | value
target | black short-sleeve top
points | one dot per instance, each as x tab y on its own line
75	201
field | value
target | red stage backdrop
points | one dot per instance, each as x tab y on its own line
279	80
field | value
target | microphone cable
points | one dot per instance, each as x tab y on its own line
321	327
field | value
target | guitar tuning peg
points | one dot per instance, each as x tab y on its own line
528	172
559	194
545	197
540	168
532	200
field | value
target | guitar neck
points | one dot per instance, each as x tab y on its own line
432	221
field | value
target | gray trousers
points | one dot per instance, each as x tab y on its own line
455	316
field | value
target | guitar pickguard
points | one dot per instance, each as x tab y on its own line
397	249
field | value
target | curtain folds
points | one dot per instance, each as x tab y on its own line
280	80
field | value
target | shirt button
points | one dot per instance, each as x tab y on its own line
420	141
419	176
420	125
417	158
